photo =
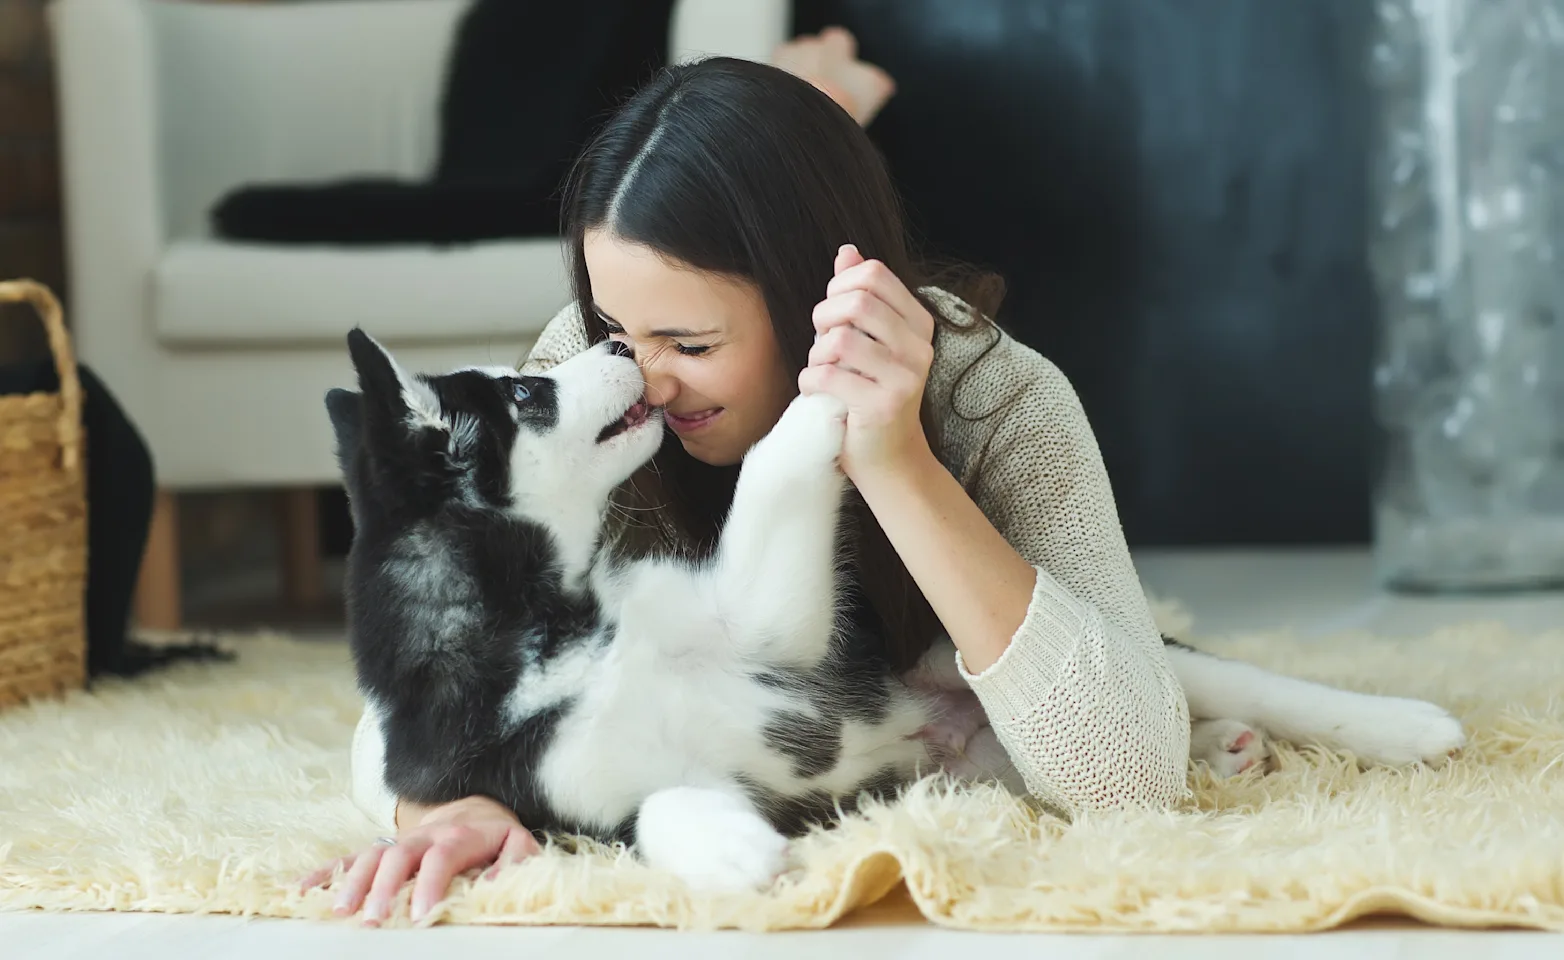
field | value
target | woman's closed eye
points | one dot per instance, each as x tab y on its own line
614	330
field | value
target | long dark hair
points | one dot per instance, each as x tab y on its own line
742	169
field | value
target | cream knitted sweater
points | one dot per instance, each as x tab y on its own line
1083	700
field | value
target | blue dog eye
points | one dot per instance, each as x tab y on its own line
521	394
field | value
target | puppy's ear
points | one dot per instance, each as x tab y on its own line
391	395
345	408
399	426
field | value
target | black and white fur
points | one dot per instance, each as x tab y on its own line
704	712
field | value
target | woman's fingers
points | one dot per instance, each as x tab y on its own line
851	388
458	850
857	352
449	839
354	885
866	312
397	865
847	256
851	349
439	867
873	276
374	876
519	845
325	873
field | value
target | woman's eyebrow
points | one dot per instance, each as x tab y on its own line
671	333
683	333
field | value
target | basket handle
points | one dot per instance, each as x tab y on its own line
43	301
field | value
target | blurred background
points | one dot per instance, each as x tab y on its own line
1302	306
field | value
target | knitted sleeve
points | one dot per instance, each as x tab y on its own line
1083	699
562	338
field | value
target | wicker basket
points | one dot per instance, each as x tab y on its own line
43	523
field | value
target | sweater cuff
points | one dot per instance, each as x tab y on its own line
1031	666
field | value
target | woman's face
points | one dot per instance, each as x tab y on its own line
703	341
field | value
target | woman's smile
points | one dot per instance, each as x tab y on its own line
687	423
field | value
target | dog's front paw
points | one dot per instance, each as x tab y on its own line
713	840
808	437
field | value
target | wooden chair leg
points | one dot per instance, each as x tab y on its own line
158	601
302	574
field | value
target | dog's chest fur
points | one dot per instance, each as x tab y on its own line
448	623
572	709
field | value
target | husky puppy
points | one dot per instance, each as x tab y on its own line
702	711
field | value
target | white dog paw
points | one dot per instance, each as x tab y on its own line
713	840
1395	731
1227	747
820	408
809	433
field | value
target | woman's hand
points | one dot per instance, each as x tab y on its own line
830	62
873	349
446	841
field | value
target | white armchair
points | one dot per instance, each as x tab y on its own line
222	352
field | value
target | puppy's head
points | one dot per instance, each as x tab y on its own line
536	448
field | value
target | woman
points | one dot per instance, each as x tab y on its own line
738	229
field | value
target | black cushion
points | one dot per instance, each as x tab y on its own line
527	85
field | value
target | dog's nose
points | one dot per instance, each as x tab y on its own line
619	348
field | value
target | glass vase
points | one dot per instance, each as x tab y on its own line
1465	245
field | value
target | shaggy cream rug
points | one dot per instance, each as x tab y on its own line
211	788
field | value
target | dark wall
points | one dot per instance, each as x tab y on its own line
1175	192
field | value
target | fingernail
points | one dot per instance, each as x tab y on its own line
375	910
419	911
341	906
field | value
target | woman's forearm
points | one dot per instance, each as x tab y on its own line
978	585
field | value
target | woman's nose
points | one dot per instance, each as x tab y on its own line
661	389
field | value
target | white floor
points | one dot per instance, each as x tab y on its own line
1312	592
